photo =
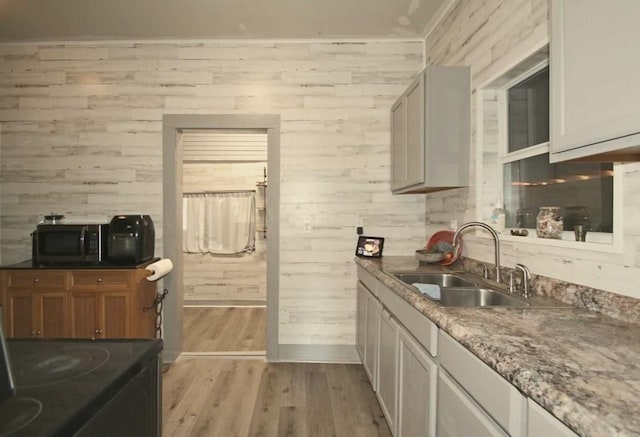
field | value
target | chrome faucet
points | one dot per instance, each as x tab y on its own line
526	278
496	242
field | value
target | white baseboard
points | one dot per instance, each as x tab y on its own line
318	353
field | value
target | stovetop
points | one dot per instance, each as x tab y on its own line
61	383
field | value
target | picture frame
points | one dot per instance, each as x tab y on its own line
369	247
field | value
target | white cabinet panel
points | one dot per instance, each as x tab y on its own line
541	423
417	380
430	139
423	329
459	416
595	97
371	339
388	368
361	319
502	401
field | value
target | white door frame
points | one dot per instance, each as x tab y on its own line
172	220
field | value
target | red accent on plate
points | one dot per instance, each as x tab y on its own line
447	237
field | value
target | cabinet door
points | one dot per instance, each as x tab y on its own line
387	367
541	423
417	379
361	319
458	415
100	315
114	314
19	314
371	342
415	132
37	315
84	315
595	99
399	144
51	315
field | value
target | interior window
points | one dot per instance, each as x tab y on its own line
583	191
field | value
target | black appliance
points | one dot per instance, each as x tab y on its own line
131	239
63	243
84	388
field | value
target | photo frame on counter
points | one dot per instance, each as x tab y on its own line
369	247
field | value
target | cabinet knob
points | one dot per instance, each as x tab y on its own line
99	280
99	331
36	280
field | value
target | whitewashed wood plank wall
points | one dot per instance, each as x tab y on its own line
490	36
81	135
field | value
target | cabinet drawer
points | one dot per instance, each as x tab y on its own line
504	403
368	279
423	329
99	280
36	280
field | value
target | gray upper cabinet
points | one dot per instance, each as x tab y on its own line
430	132
594	71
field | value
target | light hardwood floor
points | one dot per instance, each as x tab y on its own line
224	329
220	397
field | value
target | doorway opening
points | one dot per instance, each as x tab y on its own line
234	307
225	241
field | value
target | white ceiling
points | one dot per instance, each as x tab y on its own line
80	20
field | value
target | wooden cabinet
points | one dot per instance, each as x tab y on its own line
82	303
594	70
35	304
417	379
388	368
430	125
541	423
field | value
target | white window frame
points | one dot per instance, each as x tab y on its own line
598	242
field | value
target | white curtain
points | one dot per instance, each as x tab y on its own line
219	223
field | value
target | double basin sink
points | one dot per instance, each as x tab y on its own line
459	291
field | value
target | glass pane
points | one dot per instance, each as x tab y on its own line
583	190
528	108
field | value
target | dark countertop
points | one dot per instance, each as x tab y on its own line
29	264
581	366
68	403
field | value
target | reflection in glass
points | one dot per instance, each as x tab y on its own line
529	111
583	190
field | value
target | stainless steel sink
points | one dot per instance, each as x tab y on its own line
441	279
476	297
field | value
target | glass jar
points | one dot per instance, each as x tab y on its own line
549	223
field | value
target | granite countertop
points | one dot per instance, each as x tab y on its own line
581	366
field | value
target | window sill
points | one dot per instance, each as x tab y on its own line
599	242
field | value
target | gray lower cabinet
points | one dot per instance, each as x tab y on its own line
471	394
372	331
361	318
459	415
388	368
417	379
541	423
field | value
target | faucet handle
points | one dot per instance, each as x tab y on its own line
512	283
526	278
485	271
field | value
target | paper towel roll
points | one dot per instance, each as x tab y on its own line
159	269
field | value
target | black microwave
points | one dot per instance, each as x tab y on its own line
70	243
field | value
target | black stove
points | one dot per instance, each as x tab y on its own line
83	387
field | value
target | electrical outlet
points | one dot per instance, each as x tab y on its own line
307	227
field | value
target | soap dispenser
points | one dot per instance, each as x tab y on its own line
497	220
